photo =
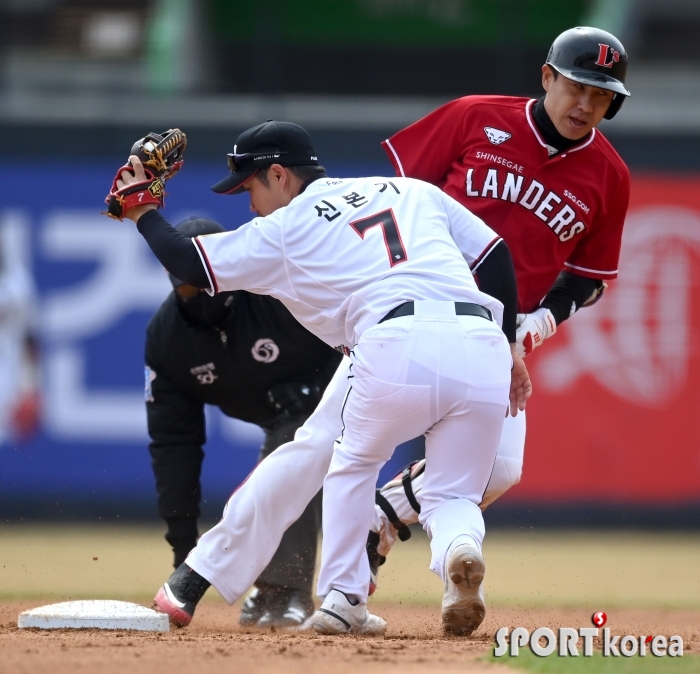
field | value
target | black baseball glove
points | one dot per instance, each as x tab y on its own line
161	155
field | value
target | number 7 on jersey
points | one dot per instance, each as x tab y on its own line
390	229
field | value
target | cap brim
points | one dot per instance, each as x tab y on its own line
593	79
234	183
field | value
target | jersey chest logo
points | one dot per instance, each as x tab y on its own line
496	136
265	351
205	373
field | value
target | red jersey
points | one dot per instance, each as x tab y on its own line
563	212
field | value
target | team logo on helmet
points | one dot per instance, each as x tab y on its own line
607	56
496	136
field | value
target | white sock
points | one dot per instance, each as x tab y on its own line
463	539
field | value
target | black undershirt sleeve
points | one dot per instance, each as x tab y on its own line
495	276
568	294
175	251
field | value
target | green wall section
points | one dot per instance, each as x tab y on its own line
395	23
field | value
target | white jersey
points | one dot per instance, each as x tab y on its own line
345	252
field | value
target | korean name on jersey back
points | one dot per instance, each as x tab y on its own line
508	184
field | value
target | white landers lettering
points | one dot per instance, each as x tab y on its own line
512	188
533	195
496	159
563	218
576	229
470	191
545	204
490	184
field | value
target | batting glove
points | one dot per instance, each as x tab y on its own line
533	329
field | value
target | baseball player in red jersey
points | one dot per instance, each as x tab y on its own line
545	179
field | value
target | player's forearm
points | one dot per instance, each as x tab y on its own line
496	277
175	251
569	293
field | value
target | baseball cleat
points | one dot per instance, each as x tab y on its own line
338	615
375	560
289	608
463	606
179	596
254	606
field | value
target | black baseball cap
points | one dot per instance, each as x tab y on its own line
195	227
268	143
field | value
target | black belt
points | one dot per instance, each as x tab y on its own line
461	309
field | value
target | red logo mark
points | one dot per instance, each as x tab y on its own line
607	56
599	618
648	639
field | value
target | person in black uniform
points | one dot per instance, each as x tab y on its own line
247	355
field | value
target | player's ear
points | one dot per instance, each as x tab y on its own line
277	173
547	77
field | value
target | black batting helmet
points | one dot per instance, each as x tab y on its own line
594	57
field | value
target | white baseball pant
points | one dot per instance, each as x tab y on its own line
237	549
433	373
507	471
233	553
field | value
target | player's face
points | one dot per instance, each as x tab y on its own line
573	108
267	198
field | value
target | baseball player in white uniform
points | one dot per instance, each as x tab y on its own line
381	268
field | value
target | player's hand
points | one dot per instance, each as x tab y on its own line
129	178
520	384
533	329
136	175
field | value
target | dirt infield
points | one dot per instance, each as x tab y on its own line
534	579
214	643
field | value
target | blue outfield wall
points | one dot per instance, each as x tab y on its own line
98	284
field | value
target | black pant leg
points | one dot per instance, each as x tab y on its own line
294	562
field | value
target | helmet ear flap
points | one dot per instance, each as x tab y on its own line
614	106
